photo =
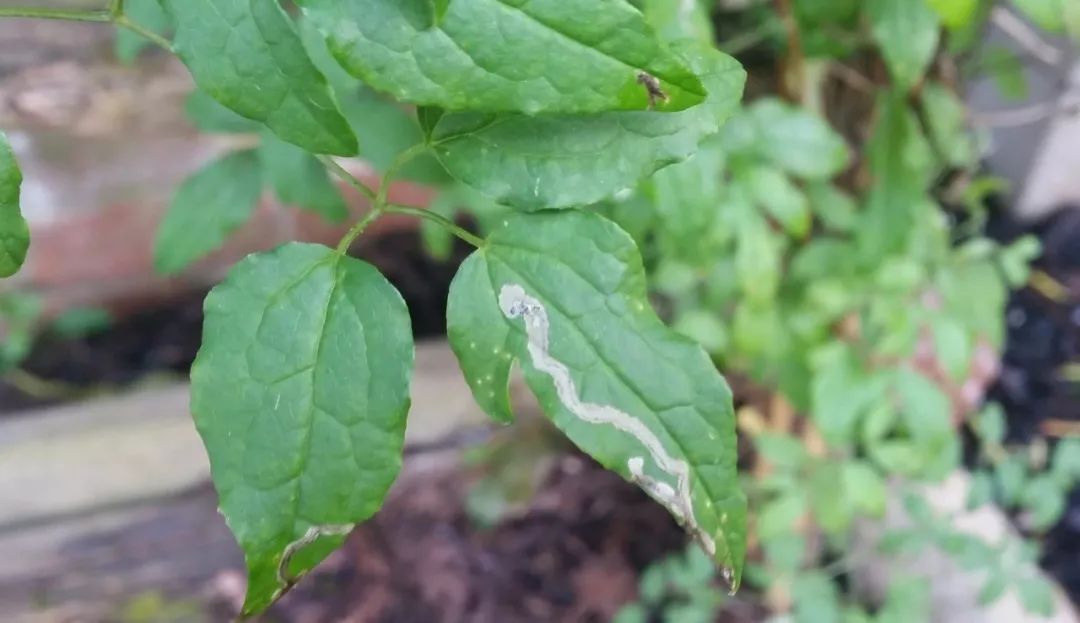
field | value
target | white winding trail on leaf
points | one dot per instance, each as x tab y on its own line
516	303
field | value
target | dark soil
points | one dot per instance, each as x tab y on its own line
1040	399
573	554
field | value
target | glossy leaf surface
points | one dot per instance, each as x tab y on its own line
564	294
300	392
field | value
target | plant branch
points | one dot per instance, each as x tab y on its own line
439	219
357	229
342	174
1026	36
123	21
792	69
73	15
381	199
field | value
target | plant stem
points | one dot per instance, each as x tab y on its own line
444	222
116	8
380	201
357	229
402	159
347	177
51	13
123	21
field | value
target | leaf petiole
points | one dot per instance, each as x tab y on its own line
381	204
357	229
53	13
440	220
123	21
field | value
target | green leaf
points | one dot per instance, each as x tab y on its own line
799	142
908	600
955	13
685	198
208	207
388	131
1045	499
20	314
146	13
779	517
564	293
680	19
300	392
759	255
817	599
835	208
1065	465
829	498
633	613
1011	478
247	55
908	32
1007	71
1047	14
865	487
705	328
387	127
299	179
989	425
781	199
926	409
1036	595
900	164
781	451
900	457
560	161
946	121
80	322
784	553
982	490
206	114
437	240
555	56
953	346
14	232
994	588
842	393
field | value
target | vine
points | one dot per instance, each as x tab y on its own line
300	389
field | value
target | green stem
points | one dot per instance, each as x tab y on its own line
116	8
123	21
357	229
347	177
441	220
381	199
50	13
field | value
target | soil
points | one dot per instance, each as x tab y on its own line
1041	399
573	554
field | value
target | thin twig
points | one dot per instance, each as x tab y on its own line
850	76
1026	36
123	21
347	177
1068	103
792	69
439	219
73	15
382	197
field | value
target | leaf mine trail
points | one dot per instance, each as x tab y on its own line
516	303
